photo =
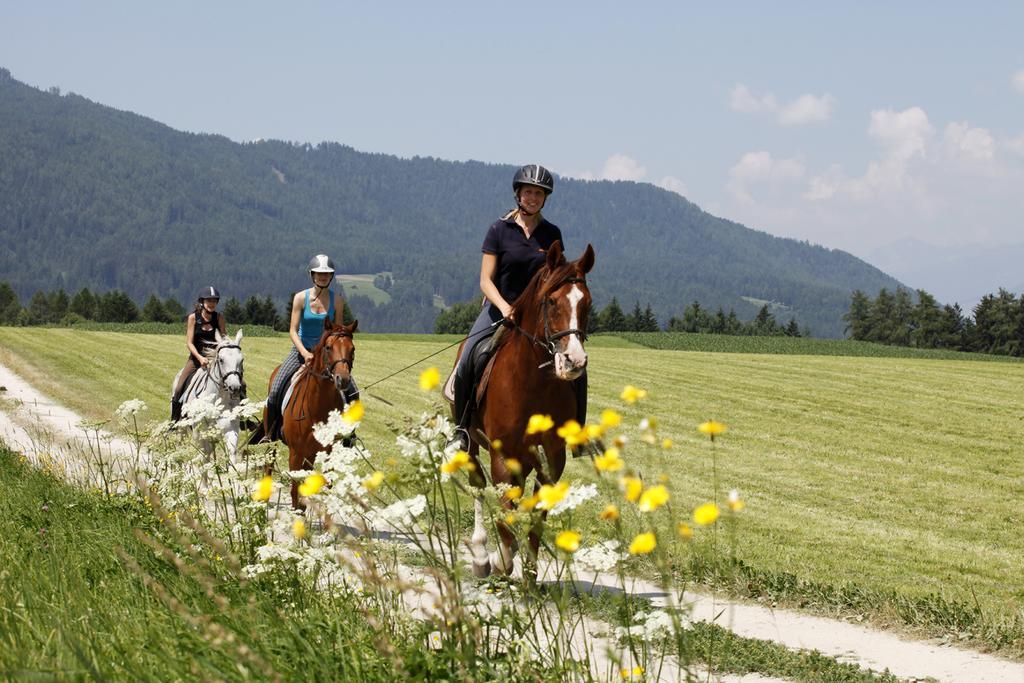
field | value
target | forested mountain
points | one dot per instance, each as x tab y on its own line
95	197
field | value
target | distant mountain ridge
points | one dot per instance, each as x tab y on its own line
92	196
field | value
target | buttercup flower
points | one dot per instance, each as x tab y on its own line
711	428
643	544
353	412
299	529
514	493
569	541
610	513
684	530
706	514
458	462
631	488
666	444
429	379
513	465
539	423
609	462
610	418
550	495
653	498
573	433
263	489
631	394
312	484
373	482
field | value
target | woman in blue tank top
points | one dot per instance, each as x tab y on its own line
310	308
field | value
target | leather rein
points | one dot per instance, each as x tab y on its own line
548	342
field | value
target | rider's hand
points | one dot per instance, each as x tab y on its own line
506	312
307	358
203	362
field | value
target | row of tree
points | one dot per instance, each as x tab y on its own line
459	319
895	318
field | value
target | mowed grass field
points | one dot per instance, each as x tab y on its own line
888	473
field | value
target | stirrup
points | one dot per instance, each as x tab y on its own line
460	438
589	448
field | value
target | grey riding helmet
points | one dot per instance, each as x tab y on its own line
208	293
533	174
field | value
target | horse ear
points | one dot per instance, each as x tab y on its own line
352	328
328	325
555	255
586	261
238	336
217	336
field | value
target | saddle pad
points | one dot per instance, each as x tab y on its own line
291	386
449	386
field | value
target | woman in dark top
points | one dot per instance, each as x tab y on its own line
200	336
514	248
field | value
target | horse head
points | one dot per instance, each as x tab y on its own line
557	308
228	365
337	354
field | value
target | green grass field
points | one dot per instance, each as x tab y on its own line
363	286
888	474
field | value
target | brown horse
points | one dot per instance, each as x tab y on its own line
319	389
532	371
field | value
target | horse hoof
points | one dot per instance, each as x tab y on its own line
482	570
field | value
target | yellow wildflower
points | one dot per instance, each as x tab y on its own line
495	445
610	513
263	489
373	482
527	504
458	461
711	428
643	544
592	432
609	462
569	541
685	532
706	514
735	504
513	465
631	487
610	418
635	673
649	438
353	412
653	498
573	433
429	379
514	493
299	529
631	394
539	423
551	495
511	518
620	441
666	444
312	484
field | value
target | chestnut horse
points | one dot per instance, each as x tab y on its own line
534	365
319	389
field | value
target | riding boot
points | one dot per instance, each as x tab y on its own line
463	395
595	447
175	410
272	423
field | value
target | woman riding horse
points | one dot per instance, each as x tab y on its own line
310	308
200	337
514	248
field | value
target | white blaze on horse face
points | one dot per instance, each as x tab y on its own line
574	357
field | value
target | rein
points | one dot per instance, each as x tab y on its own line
328	372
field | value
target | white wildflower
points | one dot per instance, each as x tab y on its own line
649	626
602	557
573	498
399	514
130	407
327	431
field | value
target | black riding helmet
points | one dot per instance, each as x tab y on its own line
208	293
533	174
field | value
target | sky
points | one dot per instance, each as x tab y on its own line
889	130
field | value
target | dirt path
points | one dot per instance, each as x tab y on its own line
49	434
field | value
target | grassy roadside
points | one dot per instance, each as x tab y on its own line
875	487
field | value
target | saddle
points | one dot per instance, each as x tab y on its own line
480	366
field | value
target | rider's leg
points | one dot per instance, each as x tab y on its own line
464	374
579	387
290	365
351	395
186	374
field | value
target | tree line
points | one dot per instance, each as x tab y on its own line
896	319
459	320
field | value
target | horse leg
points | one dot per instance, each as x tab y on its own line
231	440
295	462
478	541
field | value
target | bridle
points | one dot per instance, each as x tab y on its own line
224	378
328	372
548	342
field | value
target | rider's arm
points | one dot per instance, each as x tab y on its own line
488	270
223	324
293	328
190	331
339	309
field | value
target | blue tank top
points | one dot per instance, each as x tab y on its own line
311	325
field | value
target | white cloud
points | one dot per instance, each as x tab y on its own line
961	141
622	167
806	108
760	168
903	133
1016	145
1018	81
673	184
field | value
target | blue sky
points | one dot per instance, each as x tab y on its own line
853	125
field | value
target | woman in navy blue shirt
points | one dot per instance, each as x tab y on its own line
514	249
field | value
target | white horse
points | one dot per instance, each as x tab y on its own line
222	380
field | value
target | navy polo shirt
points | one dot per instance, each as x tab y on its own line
518	257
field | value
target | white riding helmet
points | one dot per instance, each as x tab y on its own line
321	263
